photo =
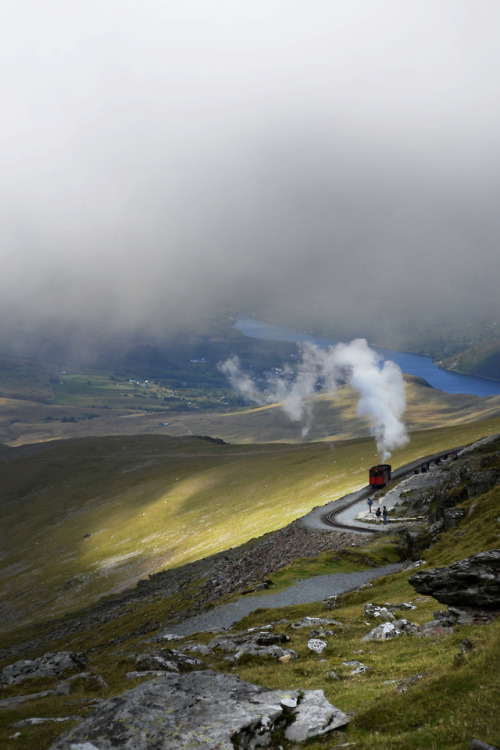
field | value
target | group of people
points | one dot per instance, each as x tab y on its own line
378	513
426	466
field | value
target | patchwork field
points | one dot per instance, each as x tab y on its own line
97	405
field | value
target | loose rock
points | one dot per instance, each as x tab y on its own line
317	645
391	630
168	660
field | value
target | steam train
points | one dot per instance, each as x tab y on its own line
380	475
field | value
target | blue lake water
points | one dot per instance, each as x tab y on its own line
412	364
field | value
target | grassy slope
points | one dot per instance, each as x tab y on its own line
89	517
450	704
334	418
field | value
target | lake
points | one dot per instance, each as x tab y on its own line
412	364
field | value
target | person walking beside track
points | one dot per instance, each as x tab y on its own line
378	513
370	503
384	514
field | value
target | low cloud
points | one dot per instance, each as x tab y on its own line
163	162
379	384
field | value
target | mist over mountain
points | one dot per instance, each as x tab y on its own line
164	162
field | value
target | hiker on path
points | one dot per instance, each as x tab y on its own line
370	503
378	513
384	514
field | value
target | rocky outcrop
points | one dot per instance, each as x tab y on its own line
473	582
260	643
473	475
202	710
48	665
386	611
167	660
317	625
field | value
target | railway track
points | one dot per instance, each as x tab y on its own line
331	519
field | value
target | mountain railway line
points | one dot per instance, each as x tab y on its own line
330	518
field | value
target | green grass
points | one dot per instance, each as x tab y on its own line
90	517
454	700
106	392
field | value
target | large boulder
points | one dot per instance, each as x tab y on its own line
473	582
202	710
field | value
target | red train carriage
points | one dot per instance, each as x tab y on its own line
380	475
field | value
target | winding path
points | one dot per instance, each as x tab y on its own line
313	589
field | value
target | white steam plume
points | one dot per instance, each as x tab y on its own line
381	388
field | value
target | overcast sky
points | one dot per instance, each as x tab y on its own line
324	158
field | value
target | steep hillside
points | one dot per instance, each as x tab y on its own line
434	686
477	359
89	517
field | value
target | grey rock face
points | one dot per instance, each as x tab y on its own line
314	716
257	643
48	665
473	582
201	710
480	482
453	516
168	660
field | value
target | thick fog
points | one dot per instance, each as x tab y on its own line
319	160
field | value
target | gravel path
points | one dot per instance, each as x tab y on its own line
312	590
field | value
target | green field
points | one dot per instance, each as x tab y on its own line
97	404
